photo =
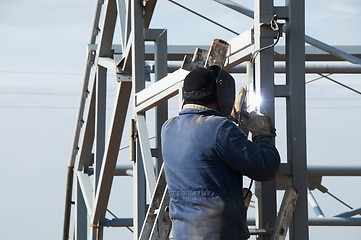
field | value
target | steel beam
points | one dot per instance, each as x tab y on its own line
342	55
74	151
146	153
240	48
264	86
335	221
138	76
111	153
124	20
80	228
89	133
107	29
334	171
280	67
296	115
159	91
161	71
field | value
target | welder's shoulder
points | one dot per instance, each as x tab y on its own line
169	121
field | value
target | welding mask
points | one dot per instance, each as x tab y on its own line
208	85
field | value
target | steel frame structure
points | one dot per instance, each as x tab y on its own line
94	147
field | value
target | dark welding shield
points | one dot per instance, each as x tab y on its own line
208	85
225	88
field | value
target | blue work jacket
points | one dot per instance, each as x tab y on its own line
205	156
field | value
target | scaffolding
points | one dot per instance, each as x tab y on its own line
93	162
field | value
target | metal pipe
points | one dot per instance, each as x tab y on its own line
69	184
334	221
119	222
334	170
123	170
326	221
335	68
67	211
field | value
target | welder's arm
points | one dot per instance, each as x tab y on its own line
259	159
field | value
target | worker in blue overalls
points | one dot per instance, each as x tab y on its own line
206	154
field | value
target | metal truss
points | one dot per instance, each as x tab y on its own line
95	151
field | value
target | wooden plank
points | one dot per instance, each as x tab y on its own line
285	214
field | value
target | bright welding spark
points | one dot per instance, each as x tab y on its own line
254	101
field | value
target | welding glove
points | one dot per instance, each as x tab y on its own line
236	110
238	104
260	125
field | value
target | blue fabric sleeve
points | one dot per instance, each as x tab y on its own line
259	160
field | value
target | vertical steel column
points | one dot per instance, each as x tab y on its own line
81	215
161	70
264	86
138	82
100	115
296	115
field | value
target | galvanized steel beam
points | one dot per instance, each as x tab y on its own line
264	86
296	115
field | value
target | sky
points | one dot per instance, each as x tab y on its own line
42	60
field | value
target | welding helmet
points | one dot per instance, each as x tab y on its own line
209	85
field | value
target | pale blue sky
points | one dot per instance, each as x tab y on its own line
42	60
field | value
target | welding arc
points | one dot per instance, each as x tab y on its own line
204	17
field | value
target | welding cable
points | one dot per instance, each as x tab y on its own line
249	190
274	26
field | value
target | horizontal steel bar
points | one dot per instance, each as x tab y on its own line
123	170
334	221
324	170
177	52
325	221
119	222
151	95
310	67
334	170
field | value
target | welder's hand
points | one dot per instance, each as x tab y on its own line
259	124
237	105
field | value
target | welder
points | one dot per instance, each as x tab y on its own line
206	154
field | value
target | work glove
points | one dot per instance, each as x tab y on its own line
260	125
237	105
235	115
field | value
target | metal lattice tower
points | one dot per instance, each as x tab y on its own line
96	144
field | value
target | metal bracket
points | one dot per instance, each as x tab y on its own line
133	140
